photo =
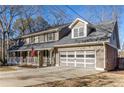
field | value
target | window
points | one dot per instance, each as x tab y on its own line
81	31
36	39
80	56
78	32
75	33
27	40
70	55
62	55
32	40
90	56
51	36
41	39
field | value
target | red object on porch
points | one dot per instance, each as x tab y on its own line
32	52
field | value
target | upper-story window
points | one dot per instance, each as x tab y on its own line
51	37
32	40
36	39
27	41
41	38
78	32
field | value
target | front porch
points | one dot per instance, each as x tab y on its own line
41	58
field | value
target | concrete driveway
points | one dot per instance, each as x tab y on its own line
28	77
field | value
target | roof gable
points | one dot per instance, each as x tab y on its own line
76	21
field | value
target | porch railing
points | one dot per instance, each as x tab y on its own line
24	61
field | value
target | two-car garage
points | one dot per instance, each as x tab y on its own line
79	58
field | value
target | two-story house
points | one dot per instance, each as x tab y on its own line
78	44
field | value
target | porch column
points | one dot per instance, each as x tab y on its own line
38	53
57	58
28	58
50	57
41	61
20	61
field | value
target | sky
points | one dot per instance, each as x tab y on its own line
83	12
90	13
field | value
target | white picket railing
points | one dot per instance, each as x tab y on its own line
24	61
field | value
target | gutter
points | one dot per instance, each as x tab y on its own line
79	44
30	50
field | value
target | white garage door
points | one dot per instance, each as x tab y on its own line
85	59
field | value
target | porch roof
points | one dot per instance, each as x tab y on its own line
38	46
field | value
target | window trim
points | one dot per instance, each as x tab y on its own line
41	37
53	38
85	27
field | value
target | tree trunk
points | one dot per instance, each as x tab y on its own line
3	48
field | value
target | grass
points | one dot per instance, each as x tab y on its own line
7	68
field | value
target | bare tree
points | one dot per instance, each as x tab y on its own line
103	13
59	15
6	21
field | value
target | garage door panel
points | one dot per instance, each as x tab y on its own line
62	64
71	60
90	60
80	65
63	60
90	65
71	64
79	60
84	59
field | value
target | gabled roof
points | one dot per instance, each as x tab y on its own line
77	20
48	30
101	32
106	26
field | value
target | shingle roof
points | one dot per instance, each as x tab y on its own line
49	29
102	32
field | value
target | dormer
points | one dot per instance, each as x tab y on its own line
78	28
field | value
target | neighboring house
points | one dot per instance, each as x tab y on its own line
78	44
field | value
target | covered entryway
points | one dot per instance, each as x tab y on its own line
80	58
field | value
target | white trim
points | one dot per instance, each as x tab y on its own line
84	31
100	69
57	65
66	58
75	63
95	59
86	43
76	20
84	59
